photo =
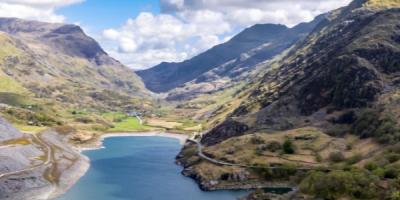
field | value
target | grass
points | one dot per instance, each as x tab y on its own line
163	123
129	124
19	141
309	144
7	47
30	129
383	3
112	116
124	123
9	85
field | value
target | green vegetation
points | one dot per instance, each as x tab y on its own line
354	184
372	123
122	122
283	173
9	85
336	157
20	141
14	99
288	146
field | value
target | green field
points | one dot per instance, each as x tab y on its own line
122	122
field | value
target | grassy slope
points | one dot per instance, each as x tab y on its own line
383	3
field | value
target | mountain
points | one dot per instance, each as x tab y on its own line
339	68
59	61
230	59
327	115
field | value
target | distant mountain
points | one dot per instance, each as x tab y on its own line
260	42
60	62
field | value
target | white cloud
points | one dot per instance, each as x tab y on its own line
185	28
42	10
150	39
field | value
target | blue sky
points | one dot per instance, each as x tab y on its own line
98	15
143	33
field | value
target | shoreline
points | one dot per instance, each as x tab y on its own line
99	143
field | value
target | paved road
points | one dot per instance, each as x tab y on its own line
218	162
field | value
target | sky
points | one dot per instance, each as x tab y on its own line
144	33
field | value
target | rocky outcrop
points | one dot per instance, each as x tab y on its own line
228	129
7	131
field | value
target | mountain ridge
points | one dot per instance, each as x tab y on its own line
158	78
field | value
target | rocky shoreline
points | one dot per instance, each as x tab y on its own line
237	180
212	185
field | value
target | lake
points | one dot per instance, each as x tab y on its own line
141	168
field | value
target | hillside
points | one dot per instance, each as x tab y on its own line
76	62
231	59
329	108
49	73
333	71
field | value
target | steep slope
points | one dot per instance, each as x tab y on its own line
261	42
327	116
339	68
59	61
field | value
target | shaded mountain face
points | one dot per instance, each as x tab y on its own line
349	63
231	59
59	61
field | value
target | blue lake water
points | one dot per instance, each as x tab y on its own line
139	168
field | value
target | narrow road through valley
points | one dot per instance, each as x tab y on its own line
218	162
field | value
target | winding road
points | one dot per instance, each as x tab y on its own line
200	153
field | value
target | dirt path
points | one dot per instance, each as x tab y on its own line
45	163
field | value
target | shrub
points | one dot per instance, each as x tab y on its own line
395	148
392	157
371	166
355	184
260	150
257	140
336	157
84	119
288	147
318	157
274	146
391	173
338	130
354	159
372	123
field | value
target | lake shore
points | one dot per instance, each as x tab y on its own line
98	144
